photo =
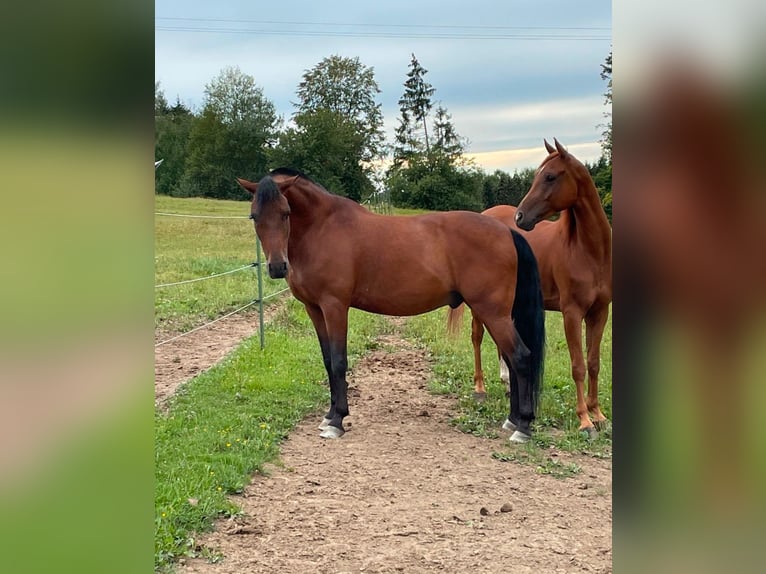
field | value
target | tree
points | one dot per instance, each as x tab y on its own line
448	142
606	74
347	88
430	174
233	136
436	184
601	172
171	140
326	146
415	104
160	103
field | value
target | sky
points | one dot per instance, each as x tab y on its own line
509	72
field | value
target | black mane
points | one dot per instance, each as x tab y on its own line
289	172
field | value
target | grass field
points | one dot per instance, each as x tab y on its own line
556	420
226	423
189	248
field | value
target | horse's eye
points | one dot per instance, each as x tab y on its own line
285	216
549	177
252	216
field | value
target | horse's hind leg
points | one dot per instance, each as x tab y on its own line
477	336
595	321
515	353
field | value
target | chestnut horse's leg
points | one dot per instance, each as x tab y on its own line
477	335
317	318
505	373
595	321
336	322
573	330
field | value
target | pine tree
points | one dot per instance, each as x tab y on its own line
448	142
415	104
606	74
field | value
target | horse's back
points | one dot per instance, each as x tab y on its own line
451	251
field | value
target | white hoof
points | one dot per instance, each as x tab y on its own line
508	425
519	437
324	424
332	432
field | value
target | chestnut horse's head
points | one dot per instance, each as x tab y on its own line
270	212
553	189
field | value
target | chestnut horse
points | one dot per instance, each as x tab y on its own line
335	254
575	258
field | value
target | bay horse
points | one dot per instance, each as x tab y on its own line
574	255
335	254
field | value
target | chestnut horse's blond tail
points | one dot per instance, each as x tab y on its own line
454	319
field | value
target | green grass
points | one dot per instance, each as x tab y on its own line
530	454
188	248
226	423
556	424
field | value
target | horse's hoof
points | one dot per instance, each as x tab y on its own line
324	424
519	437
332	432
604	426
508	425
589	433
480	397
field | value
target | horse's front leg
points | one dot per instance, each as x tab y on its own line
317	318
336	323
595	321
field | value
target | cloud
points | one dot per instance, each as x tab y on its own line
510	160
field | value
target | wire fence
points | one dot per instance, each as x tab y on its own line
202	216
206	277
379	203
256	264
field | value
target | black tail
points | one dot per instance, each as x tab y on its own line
528	314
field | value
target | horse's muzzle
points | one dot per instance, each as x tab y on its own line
522	222
278	270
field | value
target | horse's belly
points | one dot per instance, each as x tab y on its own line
400	304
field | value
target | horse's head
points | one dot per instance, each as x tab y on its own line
553	189
270	212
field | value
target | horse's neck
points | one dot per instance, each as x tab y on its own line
586	224
308	207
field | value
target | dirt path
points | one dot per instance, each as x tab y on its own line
178	361
403	491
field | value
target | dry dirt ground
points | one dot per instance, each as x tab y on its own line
403	491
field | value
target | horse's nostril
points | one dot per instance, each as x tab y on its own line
519	216
278	270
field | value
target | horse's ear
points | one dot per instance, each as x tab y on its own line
248	185
548	146
563	153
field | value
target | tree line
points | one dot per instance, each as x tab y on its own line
336	136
